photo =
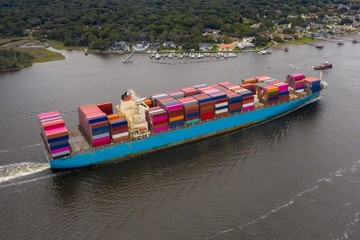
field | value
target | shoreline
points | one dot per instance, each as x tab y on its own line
38	49
12	69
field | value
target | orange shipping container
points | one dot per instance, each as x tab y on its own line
113	117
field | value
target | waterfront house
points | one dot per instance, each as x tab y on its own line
169	45
214	34
318	35
226	47
298	29
245	45
209	31
120	46
205	46
288	38
140	47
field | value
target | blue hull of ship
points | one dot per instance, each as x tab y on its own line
165	140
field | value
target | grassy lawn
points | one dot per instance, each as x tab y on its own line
36	48
303	40
61	46
42	54
14	42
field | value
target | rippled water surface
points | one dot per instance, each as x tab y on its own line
296	177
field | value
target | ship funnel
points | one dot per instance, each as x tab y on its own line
126	96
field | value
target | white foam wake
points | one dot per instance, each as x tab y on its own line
350	227
16	170
16	149
338	173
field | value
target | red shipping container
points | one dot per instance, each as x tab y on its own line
101	143
120	128
206	116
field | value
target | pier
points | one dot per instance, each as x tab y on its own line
129	58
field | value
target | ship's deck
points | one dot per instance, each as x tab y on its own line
77	141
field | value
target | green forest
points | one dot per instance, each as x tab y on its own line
11	59
97	24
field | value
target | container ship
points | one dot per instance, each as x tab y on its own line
140	126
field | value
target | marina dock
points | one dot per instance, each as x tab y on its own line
129	58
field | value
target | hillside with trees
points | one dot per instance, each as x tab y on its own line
99	23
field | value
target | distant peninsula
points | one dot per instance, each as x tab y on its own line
19	53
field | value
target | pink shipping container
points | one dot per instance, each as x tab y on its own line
60	150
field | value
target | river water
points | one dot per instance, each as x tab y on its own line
296	177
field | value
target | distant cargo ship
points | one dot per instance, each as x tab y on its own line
167	119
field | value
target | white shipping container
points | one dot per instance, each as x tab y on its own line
221	111
120	135
221	104
248	105
60	153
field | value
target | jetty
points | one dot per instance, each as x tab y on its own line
129	58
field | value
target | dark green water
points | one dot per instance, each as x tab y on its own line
297	177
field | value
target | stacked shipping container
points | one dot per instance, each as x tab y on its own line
106	108
262	78
312	84
283	91
206	105
157	119
259	89
191	109
249	86
176	94
54	133
190	91
94	124
220	101
270	94
296	81
119	128
248	100
234	99
174	109
155	98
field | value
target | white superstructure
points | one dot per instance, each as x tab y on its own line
133	109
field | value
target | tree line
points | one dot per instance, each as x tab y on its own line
11	59
99	23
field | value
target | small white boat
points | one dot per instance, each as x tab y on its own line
265	51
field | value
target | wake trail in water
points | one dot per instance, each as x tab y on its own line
22	148
350	227
338	173
17	170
